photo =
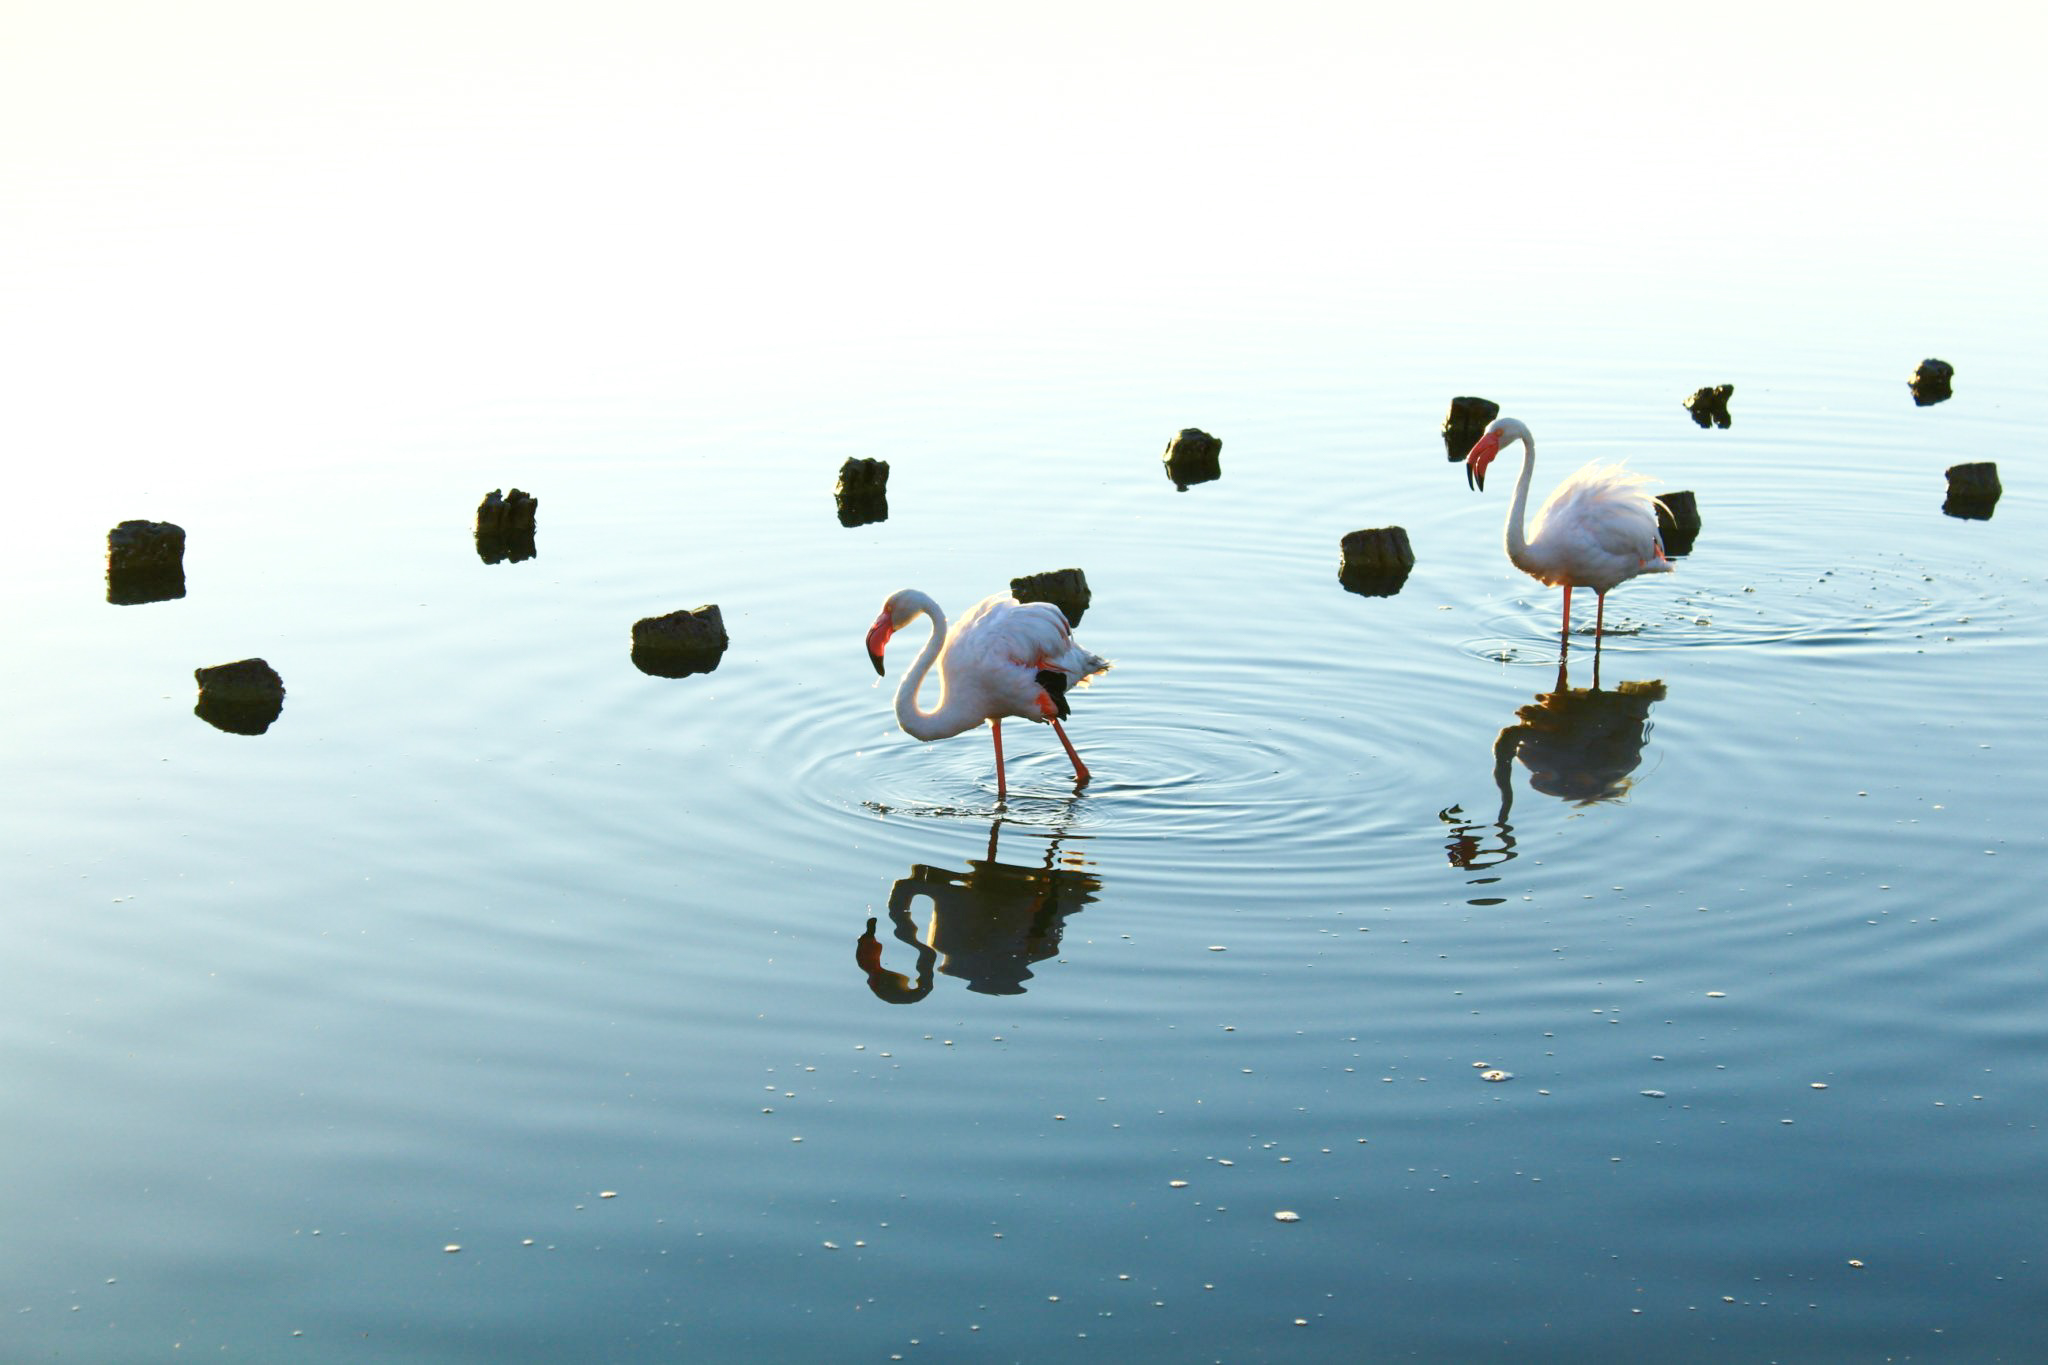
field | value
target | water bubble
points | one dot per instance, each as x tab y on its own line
1286	1216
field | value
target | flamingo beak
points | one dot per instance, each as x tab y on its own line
1483	451
878	640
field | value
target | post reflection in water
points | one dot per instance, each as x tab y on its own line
1580	744
987	925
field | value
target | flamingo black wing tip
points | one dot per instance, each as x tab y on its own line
1055	685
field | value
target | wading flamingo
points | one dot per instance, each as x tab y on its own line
1598	529
1004	658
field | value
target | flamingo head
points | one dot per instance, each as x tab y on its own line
878	640
1502	431
896	613
1482	454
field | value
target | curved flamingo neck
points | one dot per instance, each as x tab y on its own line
954	714
1517	538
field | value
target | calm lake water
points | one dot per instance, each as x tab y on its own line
494	941
501	1001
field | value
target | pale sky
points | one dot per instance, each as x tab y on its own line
412	190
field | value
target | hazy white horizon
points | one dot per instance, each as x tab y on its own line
320	208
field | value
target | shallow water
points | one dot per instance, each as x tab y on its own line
501	1001
493	941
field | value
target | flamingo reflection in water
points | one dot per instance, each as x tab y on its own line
987	926
1580	744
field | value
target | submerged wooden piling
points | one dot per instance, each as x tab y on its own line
1932	382
1375	562
242	698
862	492
1709	406
681	643
1066	589
504	526
1973	491
145	563
1192	457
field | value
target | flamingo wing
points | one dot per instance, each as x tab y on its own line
1006	645
1601	525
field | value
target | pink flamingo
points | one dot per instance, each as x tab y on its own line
1598	529
1004	658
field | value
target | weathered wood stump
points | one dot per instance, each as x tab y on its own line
242	680
504	526
146	545
862	492
1375	562
1192	457
863	476
1709	406
1066	589
145	563
242	698
680	643
1932	381
1465	423
1973	490
500	511
1678	522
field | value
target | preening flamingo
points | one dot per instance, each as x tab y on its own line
1004	658
1598	529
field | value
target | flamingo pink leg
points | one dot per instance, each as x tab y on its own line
995	726
1600	618
1080	768
1566	634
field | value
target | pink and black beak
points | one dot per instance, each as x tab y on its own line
1483	451
878	640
